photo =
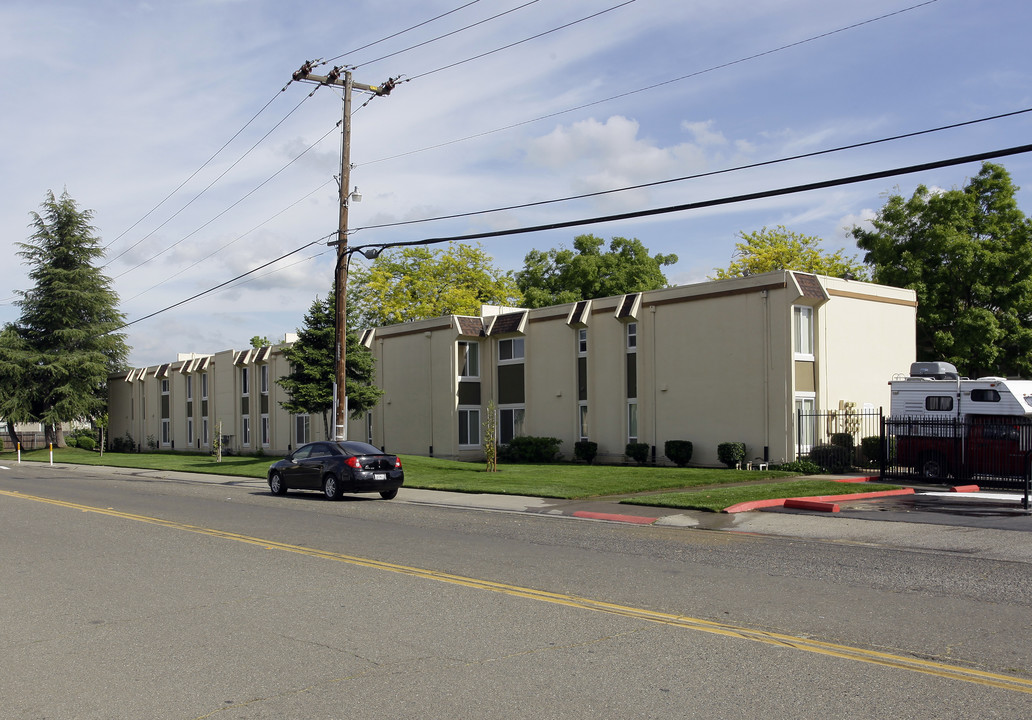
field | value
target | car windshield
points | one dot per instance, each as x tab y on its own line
358	448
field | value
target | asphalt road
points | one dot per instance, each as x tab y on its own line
135	596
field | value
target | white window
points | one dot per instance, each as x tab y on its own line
164	387
166	431
189	432
806	421
369	427
205	439
632	421
245	381
265	430
264	379
469	426
632	337
302	429
802	332
189	387
246	434
582	420
469	360
510	350
204	386
582	341
510	423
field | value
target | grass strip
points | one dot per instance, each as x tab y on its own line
554	480
716	499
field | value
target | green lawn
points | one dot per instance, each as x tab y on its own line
716	499
559	480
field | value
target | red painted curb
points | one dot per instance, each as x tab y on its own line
872	478
637	519
964	488
758	504
801	504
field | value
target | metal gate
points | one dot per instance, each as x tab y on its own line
840	440
988	451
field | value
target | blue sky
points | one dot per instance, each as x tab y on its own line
120	102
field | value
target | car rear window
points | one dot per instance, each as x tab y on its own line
359	448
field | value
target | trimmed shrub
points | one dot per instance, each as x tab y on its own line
530	449
679	451
871	447
833	458
85	442
842	440
731	453
639	452
123	444
585	450
803	467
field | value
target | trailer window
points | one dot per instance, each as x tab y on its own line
939	402
984	395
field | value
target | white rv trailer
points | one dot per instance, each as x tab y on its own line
935	390
950	425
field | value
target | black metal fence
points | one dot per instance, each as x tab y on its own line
840	440
991	452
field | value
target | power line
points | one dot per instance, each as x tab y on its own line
824	184
220	285
216	217
198	170
654	86
778	192
231	242
520	42
208	187
400	32
448	34
696	176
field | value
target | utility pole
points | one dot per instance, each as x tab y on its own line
334	77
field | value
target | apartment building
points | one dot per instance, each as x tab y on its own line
729	360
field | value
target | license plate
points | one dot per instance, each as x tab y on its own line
379	476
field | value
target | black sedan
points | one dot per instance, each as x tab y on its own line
338	467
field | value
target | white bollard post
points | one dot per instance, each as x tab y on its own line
51	453
19	453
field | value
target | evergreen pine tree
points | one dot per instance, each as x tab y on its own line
66	342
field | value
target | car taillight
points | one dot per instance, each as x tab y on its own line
353	462
397	463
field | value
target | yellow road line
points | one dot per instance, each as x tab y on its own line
950	672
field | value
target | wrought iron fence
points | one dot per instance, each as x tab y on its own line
991	452
840	440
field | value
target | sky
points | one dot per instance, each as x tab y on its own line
179	126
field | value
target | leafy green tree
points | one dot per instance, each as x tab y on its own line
415	283
66	338
259	341
779	248
310	382
562	275
968	255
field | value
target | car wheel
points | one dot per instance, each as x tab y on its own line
276	485
389	494
332	488
933	468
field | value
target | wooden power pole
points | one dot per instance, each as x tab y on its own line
341	77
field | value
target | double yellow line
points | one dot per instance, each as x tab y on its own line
898	662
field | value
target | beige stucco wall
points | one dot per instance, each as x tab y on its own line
135	407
